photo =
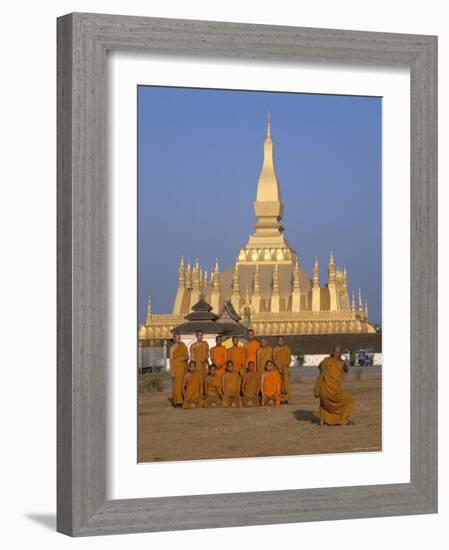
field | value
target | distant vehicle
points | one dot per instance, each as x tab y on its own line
365	358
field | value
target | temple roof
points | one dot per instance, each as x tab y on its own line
201	311
202	318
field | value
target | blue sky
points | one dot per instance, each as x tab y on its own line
200	154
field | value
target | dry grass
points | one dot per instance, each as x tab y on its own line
172	434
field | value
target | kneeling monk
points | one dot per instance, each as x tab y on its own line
271	386
231	387
192	388
212	388
335	404
250	386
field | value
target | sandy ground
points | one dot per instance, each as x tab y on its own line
166	433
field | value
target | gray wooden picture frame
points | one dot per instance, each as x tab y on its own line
83	40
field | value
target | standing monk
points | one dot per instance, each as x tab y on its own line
271	385
231	382
219	356
264	354
179	355
282	355
236	354
192	388
251	348
199	352
335	404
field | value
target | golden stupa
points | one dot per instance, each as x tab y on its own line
267	286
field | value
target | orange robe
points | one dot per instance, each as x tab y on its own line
219	356
212	390
236	354
264	354
193	390
251	350
178	366
250	389
283	356
199	352
272	386
335	404
231	389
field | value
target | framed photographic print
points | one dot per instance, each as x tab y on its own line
246	274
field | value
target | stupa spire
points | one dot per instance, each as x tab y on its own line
268	190
316	274
256	290
149	312
296	291
360	302
275	295
235	296
268	243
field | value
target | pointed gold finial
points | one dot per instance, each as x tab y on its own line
257	280
149	312
316	273
360	301
276	278
235	279
268	125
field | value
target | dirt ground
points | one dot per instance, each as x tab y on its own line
166	433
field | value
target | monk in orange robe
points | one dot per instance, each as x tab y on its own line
264	354
192	388
219	356
178	355
251	348
282	356
231	382
251	386
335	404
212	388
199	352
236	354
271	386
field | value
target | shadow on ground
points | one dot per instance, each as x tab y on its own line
46	520
306	416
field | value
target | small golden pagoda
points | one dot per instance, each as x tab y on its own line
267	286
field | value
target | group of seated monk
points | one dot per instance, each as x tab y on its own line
244	375
231	389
